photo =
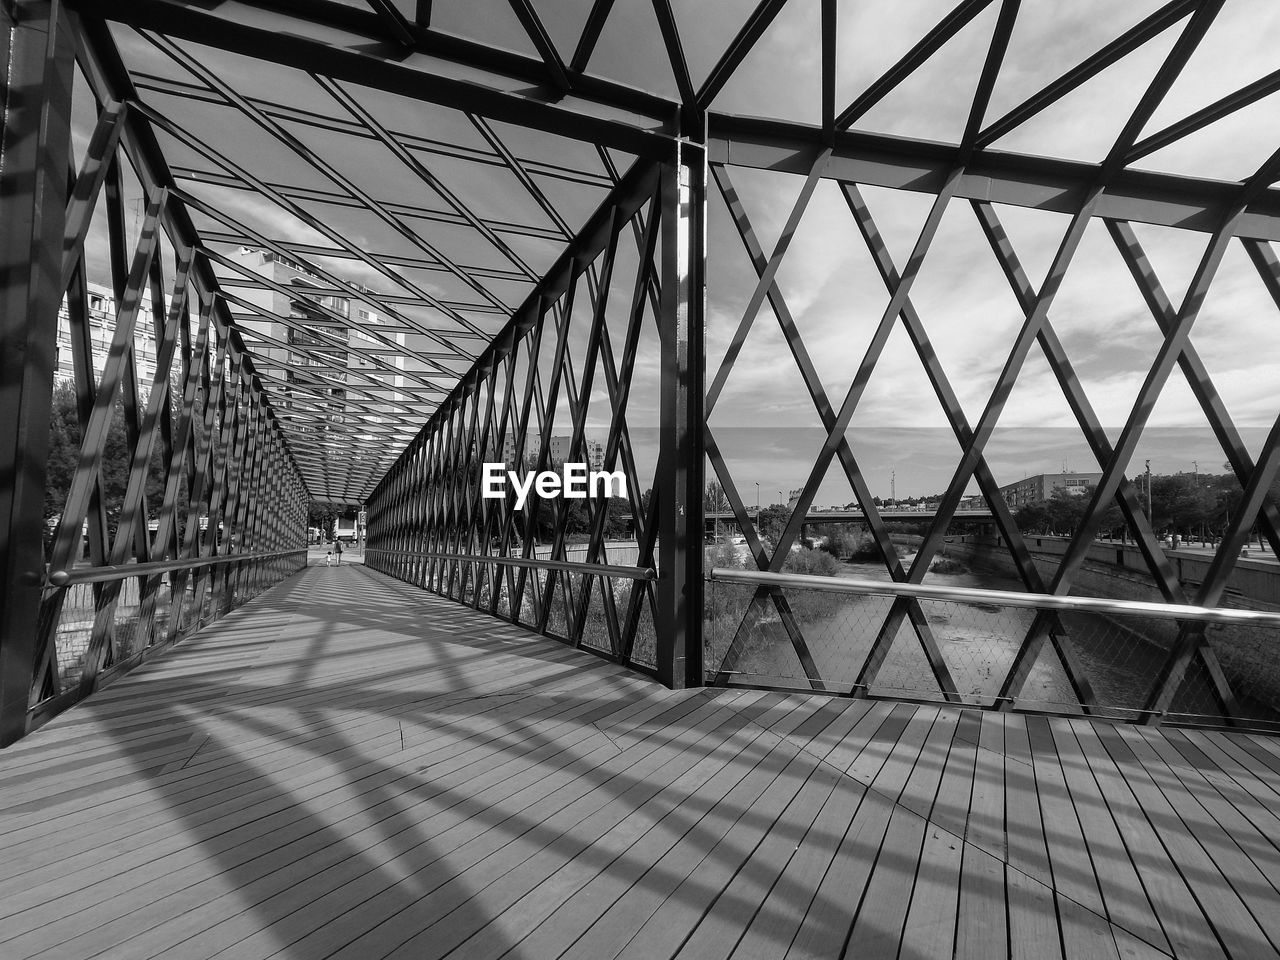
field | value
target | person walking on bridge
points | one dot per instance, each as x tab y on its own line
337	549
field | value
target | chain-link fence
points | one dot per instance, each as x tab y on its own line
1117	659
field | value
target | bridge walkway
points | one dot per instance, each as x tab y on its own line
348	767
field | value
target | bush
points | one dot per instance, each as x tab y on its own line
720	555
812	604
844	545
947	565
840	544
906	541
723	599
813	563
866	549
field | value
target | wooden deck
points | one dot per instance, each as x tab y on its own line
351	768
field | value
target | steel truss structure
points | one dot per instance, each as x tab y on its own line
429	518
1114	486
425	328
124	575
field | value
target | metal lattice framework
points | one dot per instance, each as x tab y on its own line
582	329
1037	330
212	508
394	233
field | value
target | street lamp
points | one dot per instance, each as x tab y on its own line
757	499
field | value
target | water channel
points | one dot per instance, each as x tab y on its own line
978	642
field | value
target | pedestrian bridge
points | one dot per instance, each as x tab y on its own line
350	767
267	262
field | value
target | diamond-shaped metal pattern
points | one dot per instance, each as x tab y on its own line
423	175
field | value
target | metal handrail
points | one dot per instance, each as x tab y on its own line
62	578
1037	601
601	569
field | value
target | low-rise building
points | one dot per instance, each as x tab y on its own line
1039	488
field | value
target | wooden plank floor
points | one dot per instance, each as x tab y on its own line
351	768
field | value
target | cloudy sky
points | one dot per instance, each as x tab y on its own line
765	420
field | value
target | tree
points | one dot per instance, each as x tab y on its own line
1181	504
772	521
64	449
618	521
114	466
323	514
1063	513
1033	518
840	542
713	498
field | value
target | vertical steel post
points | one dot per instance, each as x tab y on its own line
35	108
680	460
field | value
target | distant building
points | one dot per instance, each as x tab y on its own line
1039	488
559	451
330	346
102	330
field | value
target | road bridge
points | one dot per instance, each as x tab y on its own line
887	514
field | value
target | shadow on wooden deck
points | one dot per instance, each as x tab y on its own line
349	767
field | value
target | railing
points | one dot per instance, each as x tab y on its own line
529	563
105	620
104	574
590	605
1127	660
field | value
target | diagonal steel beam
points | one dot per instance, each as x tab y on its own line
542	43
397	23
1175	339
1090	425
1191	637
742	44
1036	318
863	375
765	282
987	79
36	61
1027	336
1169	72
679	65
289	206
84	193
1259	89
416	166
336	198
929	44
314	160
590	34
1086	69
1193	368
113	375
853	471
502	88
